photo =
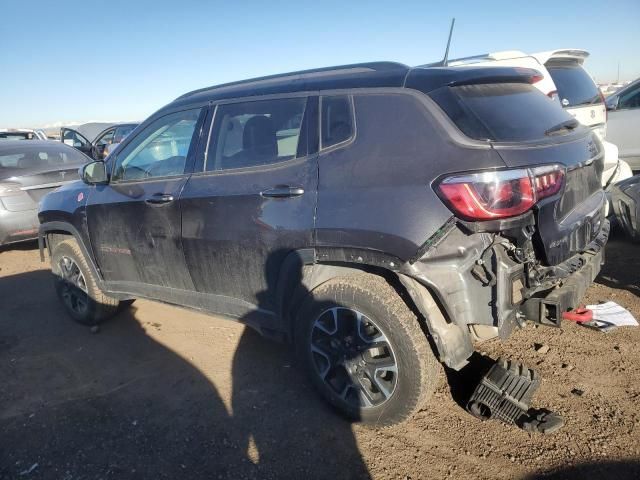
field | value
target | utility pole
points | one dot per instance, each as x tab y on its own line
618	78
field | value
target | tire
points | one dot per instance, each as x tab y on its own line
77	287
336	312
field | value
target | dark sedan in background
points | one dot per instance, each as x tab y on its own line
28	171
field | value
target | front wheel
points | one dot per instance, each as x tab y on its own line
365	351
77	286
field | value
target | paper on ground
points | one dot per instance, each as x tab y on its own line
613	313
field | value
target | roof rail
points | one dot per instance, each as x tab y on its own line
302	74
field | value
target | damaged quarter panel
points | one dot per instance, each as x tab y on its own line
375	193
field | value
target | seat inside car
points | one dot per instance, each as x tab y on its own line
29	160
259	143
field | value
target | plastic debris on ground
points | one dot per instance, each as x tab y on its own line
609	316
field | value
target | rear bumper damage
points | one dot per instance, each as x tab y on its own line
18	226
486	284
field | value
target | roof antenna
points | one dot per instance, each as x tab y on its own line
446	52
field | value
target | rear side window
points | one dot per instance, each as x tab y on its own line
502	112
336	120
575	86
255	133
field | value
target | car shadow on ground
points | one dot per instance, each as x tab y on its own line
119	404
614	469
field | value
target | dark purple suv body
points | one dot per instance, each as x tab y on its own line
377	215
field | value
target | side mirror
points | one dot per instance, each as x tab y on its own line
94	173
612	103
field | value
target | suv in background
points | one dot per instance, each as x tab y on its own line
624	123
564	78
380	217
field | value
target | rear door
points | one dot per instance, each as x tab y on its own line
134	221
253	202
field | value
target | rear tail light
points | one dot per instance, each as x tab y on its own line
553	95
602	99
536	78
500	194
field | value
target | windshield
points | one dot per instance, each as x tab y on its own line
503	112
575	86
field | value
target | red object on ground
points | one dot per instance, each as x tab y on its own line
578	315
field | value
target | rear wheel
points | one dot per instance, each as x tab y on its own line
77	286
365	351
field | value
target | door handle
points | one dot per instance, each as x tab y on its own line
159	199
282	191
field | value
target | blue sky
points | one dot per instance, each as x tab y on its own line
74	61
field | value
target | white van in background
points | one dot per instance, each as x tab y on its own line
564	79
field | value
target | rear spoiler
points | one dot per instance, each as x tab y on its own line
428	79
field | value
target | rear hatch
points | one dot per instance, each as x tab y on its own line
529	130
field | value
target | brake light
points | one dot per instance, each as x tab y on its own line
602	99
500	194
536	78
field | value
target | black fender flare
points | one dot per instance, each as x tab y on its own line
67	228
304	270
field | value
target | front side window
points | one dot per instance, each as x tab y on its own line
255	133
160	150
337	120
106	139
122	133
73	138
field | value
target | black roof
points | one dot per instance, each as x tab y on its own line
359	75
374	74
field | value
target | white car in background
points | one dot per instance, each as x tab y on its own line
21	134
623	127
564	79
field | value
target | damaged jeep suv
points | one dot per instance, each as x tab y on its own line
380	217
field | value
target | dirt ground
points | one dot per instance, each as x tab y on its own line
161	392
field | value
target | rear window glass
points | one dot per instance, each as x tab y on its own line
337	120
502	112
36	158
575	86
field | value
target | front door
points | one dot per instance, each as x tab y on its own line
134	221
252	203
75	139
